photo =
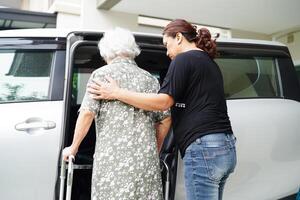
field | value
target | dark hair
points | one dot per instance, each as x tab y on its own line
202	37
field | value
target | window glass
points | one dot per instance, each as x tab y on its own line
249	77
24	75
80	79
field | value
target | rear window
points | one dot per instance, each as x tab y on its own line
249	77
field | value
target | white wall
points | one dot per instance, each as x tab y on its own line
84	14
35	5
68	13
294	46
92	17
67	20
17	4
39	5
235	33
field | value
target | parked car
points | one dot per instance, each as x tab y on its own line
43	76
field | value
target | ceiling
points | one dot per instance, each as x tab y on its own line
11	3
261	16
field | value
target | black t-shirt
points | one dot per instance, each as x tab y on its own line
195	82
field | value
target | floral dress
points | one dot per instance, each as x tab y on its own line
126	161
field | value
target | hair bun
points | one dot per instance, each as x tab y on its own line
206	43
204	34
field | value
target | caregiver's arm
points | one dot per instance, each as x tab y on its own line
146	101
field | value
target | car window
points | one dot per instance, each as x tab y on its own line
24	75
249	77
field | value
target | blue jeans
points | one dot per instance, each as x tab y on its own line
298	195
208	161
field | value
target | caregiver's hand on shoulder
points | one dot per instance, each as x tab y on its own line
100	90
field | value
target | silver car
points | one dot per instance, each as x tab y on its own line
43	75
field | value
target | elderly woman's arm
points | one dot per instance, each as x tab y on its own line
162	129
146	101
83	124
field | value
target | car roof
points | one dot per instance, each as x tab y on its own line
63	33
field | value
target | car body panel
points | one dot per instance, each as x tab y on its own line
29	158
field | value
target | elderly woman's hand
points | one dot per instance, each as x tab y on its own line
100	90
69	151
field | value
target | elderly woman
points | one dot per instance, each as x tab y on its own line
126	162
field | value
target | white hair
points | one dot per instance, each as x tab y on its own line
118	42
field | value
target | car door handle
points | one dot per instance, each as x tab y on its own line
34	124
